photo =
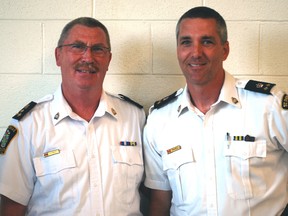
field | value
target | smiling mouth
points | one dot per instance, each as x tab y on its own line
86	71
196	64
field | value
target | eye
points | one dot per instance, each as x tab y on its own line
186	42
97	49
207	42
78	47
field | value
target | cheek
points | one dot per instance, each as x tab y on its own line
180	55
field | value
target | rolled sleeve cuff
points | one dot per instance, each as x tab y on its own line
157	184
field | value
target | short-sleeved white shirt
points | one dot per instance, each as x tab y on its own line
60	164
207	162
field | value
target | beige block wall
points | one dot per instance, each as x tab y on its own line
144	65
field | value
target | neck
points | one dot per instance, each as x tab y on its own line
83	103
203	96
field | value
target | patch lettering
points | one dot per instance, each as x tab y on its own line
6	139
285	102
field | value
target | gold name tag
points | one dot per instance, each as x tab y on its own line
50	153
176	148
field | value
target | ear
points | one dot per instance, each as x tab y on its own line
110	57
226	50
58	56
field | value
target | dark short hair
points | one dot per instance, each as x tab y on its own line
85	21
205	13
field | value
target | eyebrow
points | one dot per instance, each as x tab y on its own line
205	37
185	38
208	37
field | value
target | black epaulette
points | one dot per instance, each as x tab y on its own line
258	86
24	110
161	103
130	101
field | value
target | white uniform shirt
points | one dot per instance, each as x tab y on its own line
210	173
59	164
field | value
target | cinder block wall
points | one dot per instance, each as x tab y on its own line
144	65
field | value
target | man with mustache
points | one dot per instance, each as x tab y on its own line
78	151
218	147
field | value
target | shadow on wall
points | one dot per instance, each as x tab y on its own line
144	80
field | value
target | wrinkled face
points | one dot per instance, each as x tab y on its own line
85	70
200	51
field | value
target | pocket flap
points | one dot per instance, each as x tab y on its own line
246	150
176	159
54	163
131	155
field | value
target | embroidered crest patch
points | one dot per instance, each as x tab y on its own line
285	101
8	136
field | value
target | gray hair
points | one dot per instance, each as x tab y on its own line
85	21
205	13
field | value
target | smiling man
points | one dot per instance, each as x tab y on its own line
79	150
218	146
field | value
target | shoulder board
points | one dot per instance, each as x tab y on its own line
285	102
130	101
164	101
258	86
24	110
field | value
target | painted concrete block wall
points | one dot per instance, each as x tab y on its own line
144	64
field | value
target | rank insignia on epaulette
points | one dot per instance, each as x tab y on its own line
174	149
130	100
261	87
285	101
165	100
128	143
8	136
24	110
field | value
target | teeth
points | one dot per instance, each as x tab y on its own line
86	71
195	65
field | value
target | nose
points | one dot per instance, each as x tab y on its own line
87	55
196	50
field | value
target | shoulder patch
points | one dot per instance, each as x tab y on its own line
161	103
261	87
285	101
24	110
8	136
130	101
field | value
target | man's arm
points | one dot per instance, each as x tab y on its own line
160	203
9	207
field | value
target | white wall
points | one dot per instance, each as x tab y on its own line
144	65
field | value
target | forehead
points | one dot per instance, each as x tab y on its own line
198	26
86	34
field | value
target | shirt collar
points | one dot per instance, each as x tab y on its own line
228	94
106	105
61	109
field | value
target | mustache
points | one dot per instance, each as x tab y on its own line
89	67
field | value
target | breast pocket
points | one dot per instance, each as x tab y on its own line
245	179
128	171
180	167
53	174
54	163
